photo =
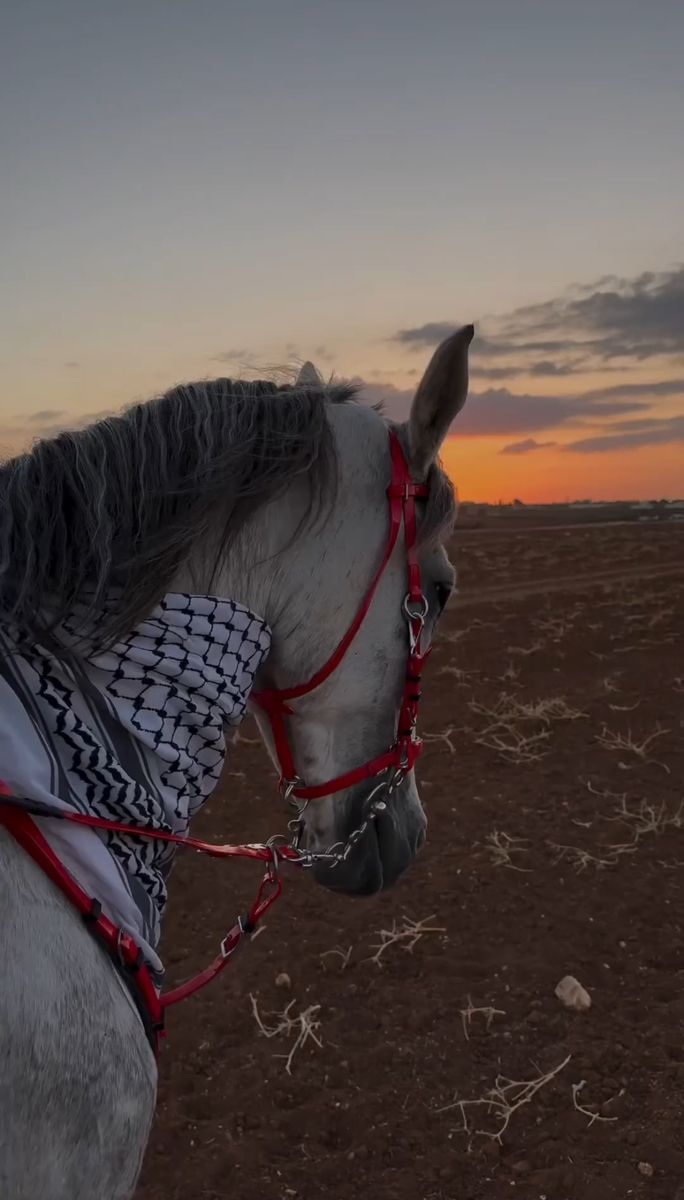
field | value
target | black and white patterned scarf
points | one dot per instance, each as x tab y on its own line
135	734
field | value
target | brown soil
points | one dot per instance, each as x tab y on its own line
583	892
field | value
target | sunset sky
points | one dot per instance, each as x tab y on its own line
224	187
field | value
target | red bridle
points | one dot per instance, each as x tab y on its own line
402	754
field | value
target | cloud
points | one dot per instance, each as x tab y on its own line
632	435
72	364
230	356
499	411
655	388
591	327
45	416
544	368
526	447
426	335
622	318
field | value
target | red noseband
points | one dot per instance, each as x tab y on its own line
402	754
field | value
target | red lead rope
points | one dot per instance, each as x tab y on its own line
17	817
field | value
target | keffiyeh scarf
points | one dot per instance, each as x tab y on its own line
134	734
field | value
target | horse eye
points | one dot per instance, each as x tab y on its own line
443	592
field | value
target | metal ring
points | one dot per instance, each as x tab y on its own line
424	608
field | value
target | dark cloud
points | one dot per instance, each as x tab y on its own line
45	416
526	447
72	364
639	316
426	335
632	435
500	411
655	388
230	356
589	328
546	367
493	373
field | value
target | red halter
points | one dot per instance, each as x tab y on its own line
405	749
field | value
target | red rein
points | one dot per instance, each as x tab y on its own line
16	813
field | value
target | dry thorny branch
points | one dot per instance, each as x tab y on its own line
508	713
406	934
501	846
648	818
525	651
641	820
625	742
503	1100
582	1108
580	859
461	676
444	736
508	709
486	1011
305	1025
344	955
515	745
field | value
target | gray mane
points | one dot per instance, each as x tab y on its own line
117	508
123	503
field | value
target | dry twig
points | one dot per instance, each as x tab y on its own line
344	955
580	859
582	1108
503	1100
488	1012
304	1025
625	742
502	845
406	935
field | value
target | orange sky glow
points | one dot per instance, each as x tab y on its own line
480	473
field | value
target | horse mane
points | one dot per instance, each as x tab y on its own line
99	521
119	506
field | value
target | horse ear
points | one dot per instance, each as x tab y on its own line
440	396
308	376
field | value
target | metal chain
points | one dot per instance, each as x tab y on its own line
339	852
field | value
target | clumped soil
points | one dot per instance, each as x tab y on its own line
569	862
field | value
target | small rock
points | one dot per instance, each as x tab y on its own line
283	980
571	993
645	1169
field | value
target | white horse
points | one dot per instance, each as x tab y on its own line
276	498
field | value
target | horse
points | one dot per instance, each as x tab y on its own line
275	496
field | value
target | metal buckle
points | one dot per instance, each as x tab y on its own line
224	950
